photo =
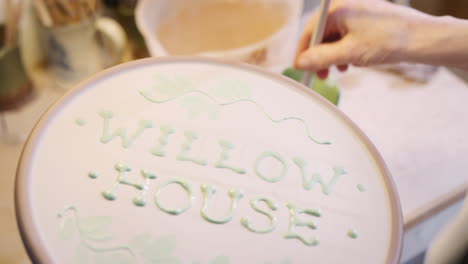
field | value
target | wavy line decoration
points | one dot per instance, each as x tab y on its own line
148	97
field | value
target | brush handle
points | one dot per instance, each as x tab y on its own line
318	36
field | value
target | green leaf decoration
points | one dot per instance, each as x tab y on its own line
95	227
229	90
197	106
140	242
171	86
167	260
160	250
82	254
323	87
113	257
220	260
163	246
99	235
67	229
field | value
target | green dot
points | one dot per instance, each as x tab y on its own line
108	195
80	122
92	175
361	187
352	233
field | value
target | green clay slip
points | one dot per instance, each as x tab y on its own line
92	175
273	220
127	140
323	87
361	188
148	97
188	189
309	182
208	192
352	234
140	199
80	122
88	232
275	156
184	152
159	150
226	146
220	260
296	221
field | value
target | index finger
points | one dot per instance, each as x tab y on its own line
304	40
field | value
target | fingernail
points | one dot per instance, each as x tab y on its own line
322	74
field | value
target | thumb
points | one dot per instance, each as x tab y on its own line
324	55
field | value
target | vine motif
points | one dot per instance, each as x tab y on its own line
148	97
183	91
93	233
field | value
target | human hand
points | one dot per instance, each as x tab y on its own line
358	32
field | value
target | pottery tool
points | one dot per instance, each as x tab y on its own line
318	36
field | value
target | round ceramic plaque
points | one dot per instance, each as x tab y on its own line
188	160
